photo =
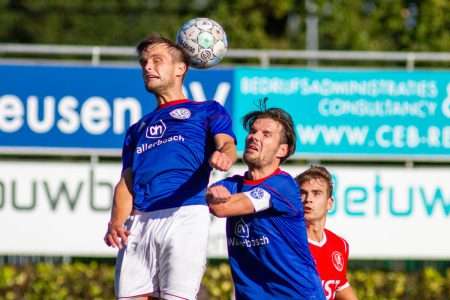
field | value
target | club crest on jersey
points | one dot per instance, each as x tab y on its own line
241	229
180	113
338	260
257	193
155	131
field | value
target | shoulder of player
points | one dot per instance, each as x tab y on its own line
232	179
157	115
282	186
275	180
136	126
208	106
231	183
331	236
235	178
212	103
141	124
336	239
212	106
283	179
239	177
206	103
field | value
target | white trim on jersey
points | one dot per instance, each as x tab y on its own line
321	242
260	198
345	246
346	285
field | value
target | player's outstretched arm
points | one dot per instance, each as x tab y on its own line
346	294
222	204
117	235
224	157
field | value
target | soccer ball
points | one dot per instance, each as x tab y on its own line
204	40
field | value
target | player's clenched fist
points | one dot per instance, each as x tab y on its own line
220	161
116	236
217	194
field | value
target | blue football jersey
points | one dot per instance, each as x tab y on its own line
168	151
268	250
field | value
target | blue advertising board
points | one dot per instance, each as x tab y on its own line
350	113
85	108
337	113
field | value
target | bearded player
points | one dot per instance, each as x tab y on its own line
328	249
267	243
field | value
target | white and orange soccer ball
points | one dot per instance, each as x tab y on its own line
204	40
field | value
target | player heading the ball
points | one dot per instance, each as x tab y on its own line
159	218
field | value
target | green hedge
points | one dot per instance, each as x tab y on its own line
95	281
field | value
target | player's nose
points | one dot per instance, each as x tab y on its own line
254	136
148	66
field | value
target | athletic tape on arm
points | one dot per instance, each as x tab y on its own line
259	198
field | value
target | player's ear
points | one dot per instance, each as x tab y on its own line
330	203
283	151
180	69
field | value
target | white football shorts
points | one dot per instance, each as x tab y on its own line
165	255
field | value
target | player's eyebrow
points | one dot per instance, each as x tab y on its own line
312	191
155	55
152	56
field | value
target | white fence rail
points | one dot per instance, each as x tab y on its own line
96	54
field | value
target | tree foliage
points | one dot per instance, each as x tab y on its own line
412	25
95	281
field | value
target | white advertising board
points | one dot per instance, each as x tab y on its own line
389	213
55	208
49	208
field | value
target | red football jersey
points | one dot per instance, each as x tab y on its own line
331	257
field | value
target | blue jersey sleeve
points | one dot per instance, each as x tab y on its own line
129	145
220	120
284	195
230	183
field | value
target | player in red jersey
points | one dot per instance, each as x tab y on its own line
330	251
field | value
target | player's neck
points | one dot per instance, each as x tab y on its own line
169	96
315	231
257	173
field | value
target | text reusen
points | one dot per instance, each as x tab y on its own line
95	115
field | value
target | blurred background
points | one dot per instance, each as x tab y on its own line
367	83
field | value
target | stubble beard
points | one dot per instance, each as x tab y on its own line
252	162
156	90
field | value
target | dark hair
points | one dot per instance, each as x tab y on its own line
176	50
316	172
278	115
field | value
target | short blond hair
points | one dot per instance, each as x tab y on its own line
316	172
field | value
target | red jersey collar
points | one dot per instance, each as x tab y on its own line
175	102
258	181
